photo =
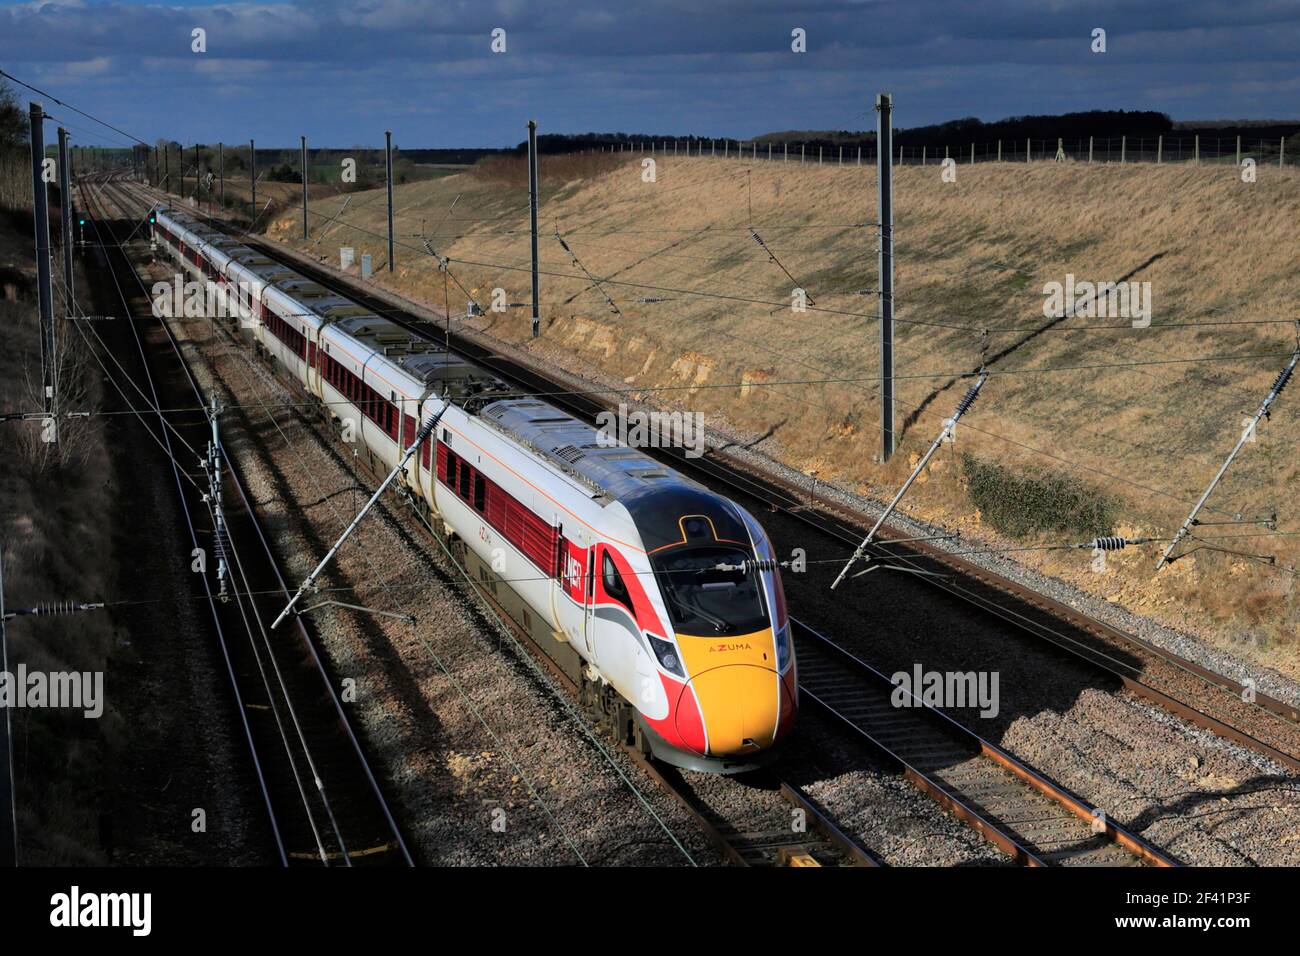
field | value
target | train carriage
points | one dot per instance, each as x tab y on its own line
662	598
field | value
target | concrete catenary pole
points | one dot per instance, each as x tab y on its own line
252	175
45	291
65	195
532	216
885	210
8	801
304	186
388	167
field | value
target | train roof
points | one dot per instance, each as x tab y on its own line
613	470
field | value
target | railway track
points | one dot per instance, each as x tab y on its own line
1029	612
1225	707
322	799
1032	819
804	836
816	842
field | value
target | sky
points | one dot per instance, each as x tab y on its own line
343	71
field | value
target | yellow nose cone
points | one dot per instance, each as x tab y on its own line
741	704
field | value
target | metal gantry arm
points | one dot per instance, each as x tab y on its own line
1279	383
425	430
967	401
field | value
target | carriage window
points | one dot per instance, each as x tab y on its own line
451	469
464	480
480	493
613	581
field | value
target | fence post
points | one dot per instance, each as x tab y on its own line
922	155
1238	150
1281	152
803	152
1123	148
972	154
1160	149
841	155
785	152
999	151
820	150
1028	148
1090	149
1196	149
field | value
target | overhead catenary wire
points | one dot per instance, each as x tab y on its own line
447	260
982	431
266	796
613	306
803	382
388	587
535	794
246	614
1247	433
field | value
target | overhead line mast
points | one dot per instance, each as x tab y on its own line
949	427
1247	432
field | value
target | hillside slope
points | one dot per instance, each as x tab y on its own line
1119	435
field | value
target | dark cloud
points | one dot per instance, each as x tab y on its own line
343	71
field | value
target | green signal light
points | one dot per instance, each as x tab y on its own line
81	222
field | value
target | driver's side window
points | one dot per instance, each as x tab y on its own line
613	581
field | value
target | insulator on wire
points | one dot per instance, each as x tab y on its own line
749	565
1112	542
968	399
1283	377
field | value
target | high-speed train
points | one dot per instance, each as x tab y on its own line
661	599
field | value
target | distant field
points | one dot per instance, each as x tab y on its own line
1138	441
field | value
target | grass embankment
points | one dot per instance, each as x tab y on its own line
1120	437
56	535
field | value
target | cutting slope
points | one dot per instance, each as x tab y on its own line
1081	429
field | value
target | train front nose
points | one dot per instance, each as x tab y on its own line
741	705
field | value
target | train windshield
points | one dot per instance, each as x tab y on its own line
702	599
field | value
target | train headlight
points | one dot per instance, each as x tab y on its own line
667	655
783	648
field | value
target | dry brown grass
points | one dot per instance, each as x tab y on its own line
512	171
56	535
972	255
